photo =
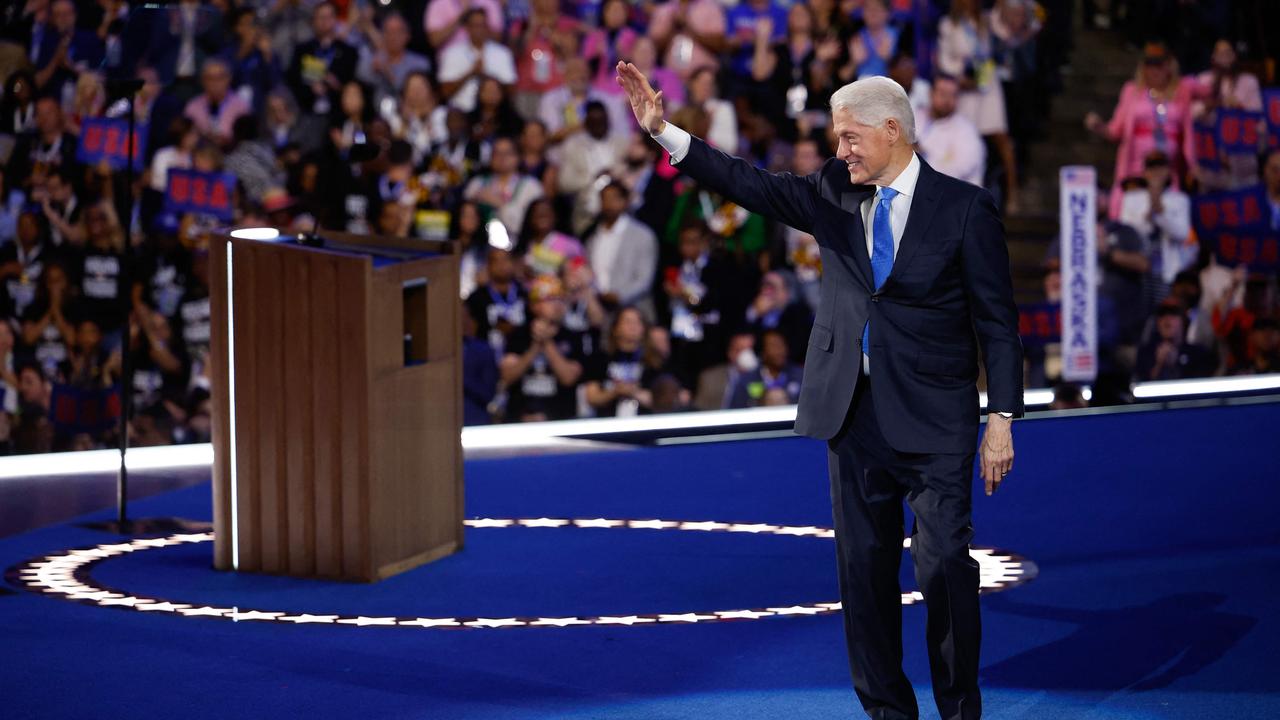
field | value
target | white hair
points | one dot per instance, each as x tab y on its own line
873	100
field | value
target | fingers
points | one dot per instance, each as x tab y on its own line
995	467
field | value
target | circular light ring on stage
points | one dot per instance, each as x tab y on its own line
67	575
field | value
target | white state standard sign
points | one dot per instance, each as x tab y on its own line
1079	248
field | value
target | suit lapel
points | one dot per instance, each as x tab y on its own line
918	220
851	202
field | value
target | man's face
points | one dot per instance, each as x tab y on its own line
773	351
1157	176
500	265
63	16
739	344
806	159
1170	327
395	34
903	71
1271	173
943	97
692	243
477	28
48	116
597	122
1188	293
59	191
612	203
28	229
323	22
864	149
216	81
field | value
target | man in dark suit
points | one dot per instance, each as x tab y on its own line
914	266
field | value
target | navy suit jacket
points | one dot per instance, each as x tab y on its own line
949	291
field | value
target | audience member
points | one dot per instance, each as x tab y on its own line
463	64
587	158
775	382
618	384
542	365
1162	215
716	384
498	306
1168	356
775	309
323	64
504	190
1226	85
948	140
1153	114
623	253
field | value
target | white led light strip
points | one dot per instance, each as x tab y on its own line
231	395
66	575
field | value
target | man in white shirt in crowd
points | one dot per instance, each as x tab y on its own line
586	158
462	64
947	139
1162	214
623	253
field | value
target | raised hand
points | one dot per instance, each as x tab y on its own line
645	102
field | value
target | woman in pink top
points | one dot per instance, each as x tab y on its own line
1225	85
690	33
644	55
607	43
1154	113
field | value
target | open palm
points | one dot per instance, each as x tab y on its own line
645	102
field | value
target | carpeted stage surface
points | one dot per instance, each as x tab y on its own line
1158	596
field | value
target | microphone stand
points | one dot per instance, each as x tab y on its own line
128	87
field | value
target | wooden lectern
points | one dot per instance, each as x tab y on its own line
336	375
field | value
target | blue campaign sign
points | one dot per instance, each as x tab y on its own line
1205	139
1271	110
108	139
201	193
1239	131
1256	248
1229	209
1040	324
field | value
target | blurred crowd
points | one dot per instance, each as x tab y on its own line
597	280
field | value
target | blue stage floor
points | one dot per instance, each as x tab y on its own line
1158	595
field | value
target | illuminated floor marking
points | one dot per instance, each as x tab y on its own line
66	575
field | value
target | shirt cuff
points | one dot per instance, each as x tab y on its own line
675	141
1007	415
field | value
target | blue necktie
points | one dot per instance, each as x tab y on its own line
881	251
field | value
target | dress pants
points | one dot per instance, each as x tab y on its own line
869	481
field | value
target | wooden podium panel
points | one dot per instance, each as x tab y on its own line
337	405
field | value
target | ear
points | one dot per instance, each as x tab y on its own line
893	130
